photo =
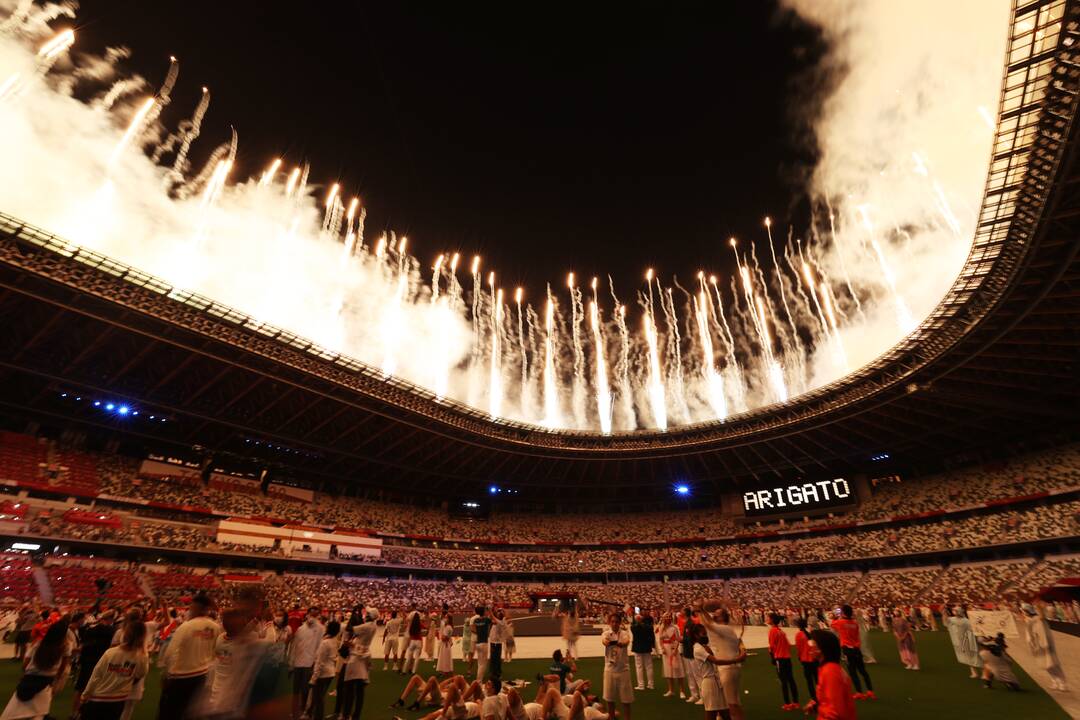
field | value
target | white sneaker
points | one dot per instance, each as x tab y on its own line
692	699
668	694
639	687
682	695
651	687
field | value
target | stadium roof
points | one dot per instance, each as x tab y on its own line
994	364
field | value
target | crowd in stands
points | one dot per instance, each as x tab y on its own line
987	528
76	580
893	586
1011	526
1057	469
138	532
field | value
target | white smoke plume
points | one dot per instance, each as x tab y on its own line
903	139
903	147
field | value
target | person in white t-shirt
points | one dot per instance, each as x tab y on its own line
116	674
705	664
618	687
390	640
302	650
324	668
726	644
495	705
186	661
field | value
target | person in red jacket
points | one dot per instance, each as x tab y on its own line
808	657
780	652
848	629
835	701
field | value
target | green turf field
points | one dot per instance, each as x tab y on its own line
941	690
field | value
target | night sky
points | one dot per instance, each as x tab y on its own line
546	138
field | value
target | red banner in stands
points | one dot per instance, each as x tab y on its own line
89	517
15	509
1018	498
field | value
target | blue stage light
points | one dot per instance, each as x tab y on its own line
682	489
123	409
109	406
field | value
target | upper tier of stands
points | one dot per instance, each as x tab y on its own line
990	484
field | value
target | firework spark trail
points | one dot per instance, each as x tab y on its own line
714	383
674	354
495	392
838	340
622	367
738	391
794	369
436	278
813	294
163	96
758	313
132	130
577	317
532	342
454	287
392	327
444	306
350	233
270	173
840	254
331	205
523	357
187	132
290	183
655	382
551	388
799	349
475	355
603	391
825	314
903	316
53	50
119	89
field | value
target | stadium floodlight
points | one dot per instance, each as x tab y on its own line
682	489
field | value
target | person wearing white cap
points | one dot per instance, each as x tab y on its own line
1040	640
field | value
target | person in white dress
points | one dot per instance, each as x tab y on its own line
509	643
865	646
670	652
445	661
1040	640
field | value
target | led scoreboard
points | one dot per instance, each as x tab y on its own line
801	497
